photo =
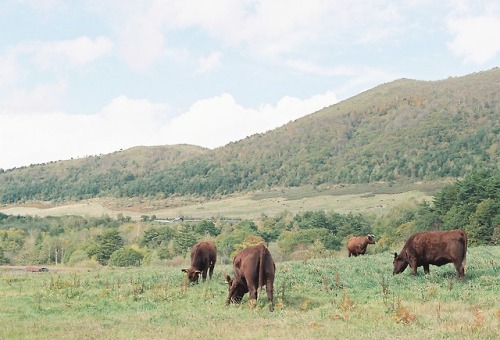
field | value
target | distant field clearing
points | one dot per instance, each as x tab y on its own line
247	206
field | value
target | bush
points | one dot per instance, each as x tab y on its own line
125	257
77	257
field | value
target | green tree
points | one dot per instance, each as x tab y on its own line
150	238
185	239
125	257
154	237
483	222
291	240
426	218
3	259
250	240
455	218
78	256
206	227
227	241
354	224
107	244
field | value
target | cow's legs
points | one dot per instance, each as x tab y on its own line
413	266
211	270
204	275
270	294
252	292
460	270
426	268
232	290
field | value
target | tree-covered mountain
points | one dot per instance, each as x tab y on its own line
399	131
90	176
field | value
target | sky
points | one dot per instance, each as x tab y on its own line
88	77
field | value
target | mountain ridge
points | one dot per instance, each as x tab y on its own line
404	130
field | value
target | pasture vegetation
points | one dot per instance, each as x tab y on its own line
335	297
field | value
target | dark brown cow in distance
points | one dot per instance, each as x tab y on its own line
203	258
433	247
253	268
357	244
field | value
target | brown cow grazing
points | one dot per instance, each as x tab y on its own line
203	258
253	268
433	247
357	244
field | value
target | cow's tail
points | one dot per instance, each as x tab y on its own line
464	261
262	258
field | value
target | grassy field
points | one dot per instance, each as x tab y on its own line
331	298
369	198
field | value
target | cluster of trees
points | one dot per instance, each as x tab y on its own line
472	203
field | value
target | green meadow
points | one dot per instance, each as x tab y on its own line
330	298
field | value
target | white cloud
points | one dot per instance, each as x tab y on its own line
209	63
475	38
22	64
42	98
45	5
219	120
141	41
267	29
358	75
25	59
39	137
74	53
10	70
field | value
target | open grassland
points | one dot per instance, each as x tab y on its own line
369	198
331	298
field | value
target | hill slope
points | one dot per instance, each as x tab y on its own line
91	176
406	130
402	130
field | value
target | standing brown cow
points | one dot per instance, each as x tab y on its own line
357	244
253	267
433	247
203	258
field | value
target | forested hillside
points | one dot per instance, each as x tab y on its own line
472	204
90	176
404	130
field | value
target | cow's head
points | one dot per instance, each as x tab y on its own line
192	274
400	263
370	239
237	289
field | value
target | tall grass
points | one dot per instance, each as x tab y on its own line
317	299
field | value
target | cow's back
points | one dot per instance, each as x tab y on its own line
203	254
438	247
247	264
355	241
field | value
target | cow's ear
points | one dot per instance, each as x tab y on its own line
228	279
184	270
395	255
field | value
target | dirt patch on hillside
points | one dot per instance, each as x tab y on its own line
37	205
